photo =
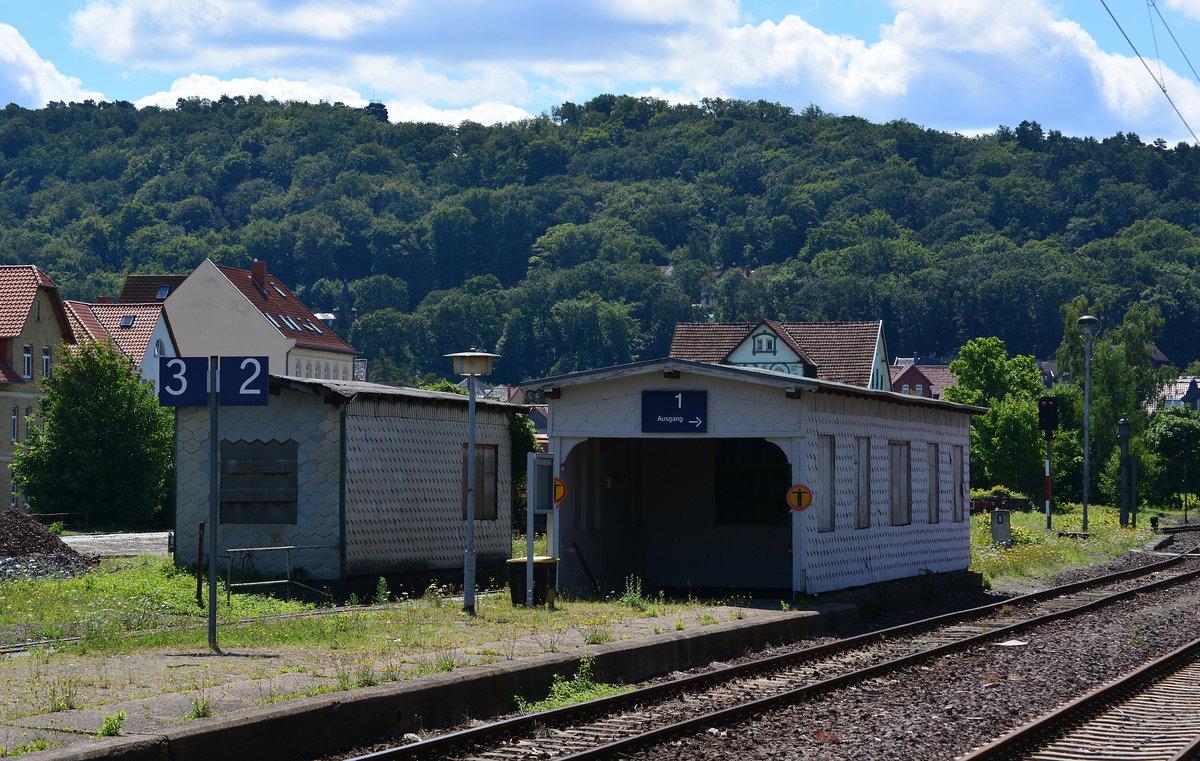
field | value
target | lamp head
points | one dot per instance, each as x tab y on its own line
1088	324
473	362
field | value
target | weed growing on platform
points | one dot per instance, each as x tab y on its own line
577	689
1037	552
111	727
33	746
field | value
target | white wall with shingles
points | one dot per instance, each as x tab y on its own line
404	486
315	426
849	556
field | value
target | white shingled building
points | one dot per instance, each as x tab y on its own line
679	472
368	479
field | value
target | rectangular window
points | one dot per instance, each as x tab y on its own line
957	497
899	464
935	483
45	361
14	425
862	480
485	482
825	496
752	478
259	481
27	362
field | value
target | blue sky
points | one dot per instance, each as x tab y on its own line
957	65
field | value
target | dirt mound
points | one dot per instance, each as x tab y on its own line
21	534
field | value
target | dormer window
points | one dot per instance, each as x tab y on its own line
920	390
764	343
127	320
163	291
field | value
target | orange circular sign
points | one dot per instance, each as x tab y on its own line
799	497
560	490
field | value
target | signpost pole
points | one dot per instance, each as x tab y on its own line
214	452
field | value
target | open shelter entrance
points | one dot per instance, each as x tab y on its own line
676	513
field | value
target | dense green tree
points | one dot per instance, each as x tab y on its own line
103	445
1006	446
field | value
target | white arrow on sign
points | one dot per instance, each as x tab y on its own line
697	422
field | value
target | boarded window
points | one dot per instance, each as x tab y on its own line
957	514
901	483
485	482
824	498
935	484
259	481
752	478
862	477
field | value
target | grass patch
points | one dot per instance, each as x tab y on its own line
1036	552
578	689
32	746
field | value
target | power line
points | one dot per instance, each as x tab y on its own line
1173	39
1161	85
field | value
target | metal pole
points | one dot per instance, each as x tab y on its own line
469	556
1048	440
1087	422
214	501
1123	438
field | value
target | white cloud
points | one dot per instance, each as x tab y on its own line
484	113
1186	7
206	86
28	80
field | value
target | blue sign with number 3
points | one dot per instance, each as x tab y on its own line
183	381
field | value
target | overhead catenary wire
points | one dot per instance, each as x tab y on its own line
1174	39
1161	84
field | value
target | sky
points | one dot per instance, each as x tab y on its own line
964	66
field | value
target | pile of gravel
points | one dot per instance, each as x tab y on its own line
29	550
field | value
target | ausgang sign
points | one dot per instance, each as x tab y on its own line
674	411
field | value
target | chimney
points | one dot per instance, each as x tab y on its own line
104	300
258	272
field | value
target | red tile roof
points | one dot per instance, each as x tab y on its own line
19	284
144	289
107	322
843	352
285	311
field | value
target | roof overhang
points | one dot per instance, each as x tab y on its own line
341	392
792	384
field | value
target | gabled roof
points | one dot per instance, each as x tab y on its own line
786	381
145	289
938	377
285	312
129	326
19	284
843	352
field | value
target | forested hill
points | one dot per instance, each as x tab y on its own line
549	239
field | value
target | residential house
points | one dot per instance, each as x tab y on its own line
223	311
33	324
927	380
139	330
1183	392
842	352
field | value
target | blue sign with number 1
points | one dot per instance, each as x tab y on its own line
183	381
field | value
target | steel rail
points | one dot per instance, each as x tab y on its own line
567	715
1028	739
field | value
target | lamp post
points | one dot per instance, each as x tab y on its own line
471	364
1088	324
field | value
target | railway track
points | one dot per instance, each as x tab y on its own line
619	724
1152	714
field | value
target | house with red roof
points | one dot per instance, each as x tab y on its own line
843	352
33	324
224	311
139	330
929	381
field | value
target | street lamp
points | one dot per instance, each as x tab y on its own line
471	364
1088	324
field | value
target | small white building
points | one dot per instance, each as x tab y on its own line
370	476
140	331
679	472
